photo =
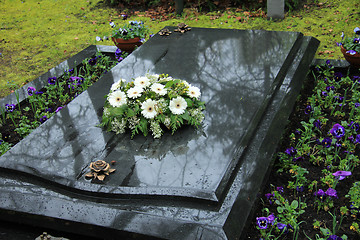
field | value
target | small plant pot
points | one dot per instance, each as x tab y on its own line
127	45
354	60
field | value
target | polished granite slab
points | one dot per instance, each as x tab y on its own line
196	184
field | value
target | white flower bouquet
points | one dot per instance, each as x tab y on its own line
150	102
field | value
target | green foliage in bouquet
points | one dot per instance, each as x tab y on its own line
150	103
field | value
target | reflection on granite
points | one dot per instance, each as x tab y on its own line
249	81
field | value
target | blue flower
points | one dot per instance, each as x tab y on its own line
338	76
52	80
326	142
356	40
92	61
357	139
308	109
9	107
331	193
31	91
320	193
357	30
291	151
340	175
99	39
337	131
262	222
112	24
43	119
351	52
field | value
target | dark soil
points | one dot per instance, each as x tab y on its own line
281	179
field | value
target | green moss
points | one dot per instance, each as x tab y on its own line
38	35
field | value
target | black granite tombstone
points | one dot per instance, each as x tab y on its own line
195	184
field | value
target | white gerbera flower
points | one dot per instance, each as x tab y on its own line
142	82
159	89
134	92
117	98
194	92
148	109
178	105
117	85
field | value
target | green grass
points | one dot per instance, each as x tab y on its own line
38	35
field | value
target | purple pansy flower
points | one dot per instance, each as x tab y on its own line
357	30
43	119
338	76
270	197
291	151
357	139
326	142
328	88
320	194
337	131
356	40
9	107
331	192
308	109
31	91
280	189
52	80
341	174
262	222
271	218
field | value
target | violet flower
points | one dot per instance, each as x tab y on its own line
9	107
340	175
31	91
320	194
43	119
308	109
326	142
351	52
338	76
337	131
52	80
331	193
262	222
291	151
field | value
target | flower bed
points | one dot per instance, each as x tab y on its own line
314	191
42	100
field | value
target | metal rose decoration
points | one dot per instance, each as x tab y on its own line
99	170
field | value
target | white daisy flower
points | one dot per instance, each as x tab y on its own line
178	105
159	89
142	82
117	98
117	85
152	77
148	109
134	92
194	92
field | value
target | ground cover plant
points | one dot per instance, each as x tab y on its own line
313	190
19	120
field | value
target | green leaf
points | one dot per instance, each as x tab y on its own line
169	84
280	209
144	126
189	102
294	204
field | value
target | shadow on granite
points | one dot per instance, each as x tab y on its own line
196	184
